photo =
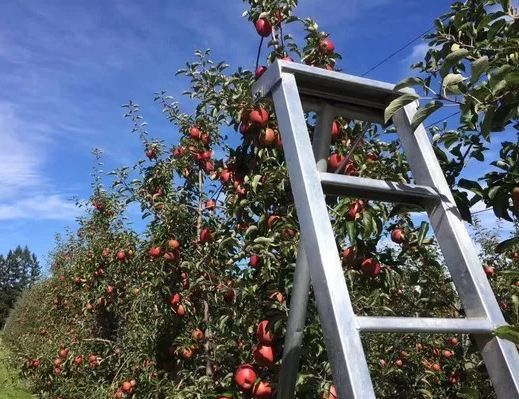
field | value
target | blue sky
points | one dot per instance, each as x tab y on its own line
66	67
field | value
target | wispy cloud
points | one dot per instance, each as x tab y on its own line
417	54
40	206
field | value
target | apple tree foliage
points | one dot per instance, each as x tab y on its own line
195	306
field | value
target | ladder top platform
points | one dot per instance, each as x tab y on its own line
343	90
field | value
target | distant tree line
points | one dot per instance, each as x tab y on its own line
19	269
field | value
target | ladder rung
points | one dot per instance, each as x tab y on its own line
379	190
424	325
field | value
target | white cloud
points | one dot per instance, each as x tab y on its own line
39	207
417	54
20	162
25	191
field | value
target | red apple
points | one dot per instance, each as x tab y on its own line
331	394
187	353
334	161
397	236
264	355
370	267
195	133
151	153
63	353
263	27
245	377
210	205
259	116
206	235
372	157
355	210
453	341
262	390
121	255
78	360
272	219
336	130
197	335
254	261
173	244
126	386
264	333
260	71
154	252
327	46
174	300
267	137
225	176
490	271
178	152
172	256
348	256
181	311
448	354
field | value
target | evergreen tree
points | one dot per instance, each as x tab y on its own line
18	270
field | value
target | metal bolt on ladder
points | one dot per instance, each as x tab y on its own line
296	88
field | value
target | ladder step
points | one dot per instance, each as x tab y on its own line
424	325
379	190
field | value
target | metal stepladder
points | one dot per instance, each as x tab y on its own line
296	88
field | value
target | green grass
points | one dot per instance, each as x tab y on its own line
11	387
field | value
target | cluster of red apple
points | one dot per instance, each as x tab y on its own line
323	55
176	305
264	355
199	149
255	127
127	387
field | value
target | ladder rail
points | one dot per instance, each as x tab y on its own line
346	354
301	287
478	299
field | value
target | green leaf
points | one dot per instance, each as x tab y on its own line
500	204
486	126
478	68
471	185
510	333
463	205
493	191
452	59
409	82
424	228
256	179
450	82
397	104
504	245
424	112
